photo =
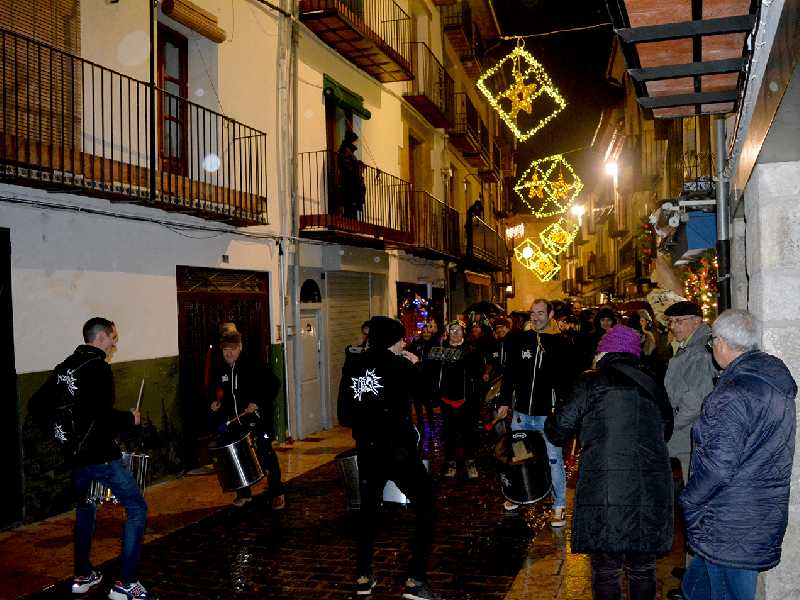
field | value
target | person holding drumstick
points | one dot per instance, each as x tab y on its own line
242	393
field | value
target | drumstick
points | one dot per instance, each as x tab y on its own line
236	418
139	401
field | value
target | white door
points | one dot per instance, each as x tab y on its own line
310	381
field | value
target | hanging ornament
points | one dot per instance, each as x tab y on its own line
544	188
557	236
530	256
530	83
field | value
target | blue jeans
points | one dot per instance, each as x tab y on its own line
554	453
704	580
118	478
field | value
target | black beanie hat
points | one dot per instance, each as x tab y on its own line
684	309
384	332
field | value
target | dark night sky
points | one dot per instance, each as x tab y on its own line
576	62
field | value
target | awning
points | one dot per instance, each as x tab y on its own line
343	97
195	18
686	57
477	278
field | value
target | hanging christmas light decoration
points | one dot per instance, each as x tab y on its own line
557	236
544	188
531	82
537	260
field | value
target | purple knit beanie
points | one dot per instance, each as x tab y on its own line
620	339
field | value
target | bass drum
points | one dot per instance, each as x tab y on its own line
235	463
523	467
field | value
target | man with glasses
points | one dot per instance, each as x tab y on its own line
689	379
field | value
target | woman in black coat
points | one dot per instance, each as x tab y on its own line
623	502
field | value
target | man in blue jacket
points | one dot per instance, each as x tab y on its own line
736	503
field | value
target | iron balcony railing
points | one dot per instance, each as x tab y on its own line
69	123
487	244
467	120
432	82
458	16
435	225
383	19
342	194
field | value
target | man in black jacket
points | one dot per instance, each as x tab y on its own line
242	393
538	372
386	441
87	379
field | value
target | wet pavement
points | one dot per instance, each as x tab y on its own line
199	546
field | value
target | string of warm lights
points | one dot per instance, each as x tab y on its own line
544	195
532	257
531	82
557	236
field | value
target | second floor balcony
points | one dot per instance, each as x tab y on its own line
436	227
432	90
372	34
464	36
343	199
486	245
469	134
69	124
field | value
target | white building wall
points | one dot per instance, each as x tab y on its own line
69	265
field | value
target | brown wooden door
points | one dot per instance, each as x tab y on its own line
207	298
173	76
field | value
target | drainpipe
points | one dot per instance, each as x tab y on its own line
723	222
153	157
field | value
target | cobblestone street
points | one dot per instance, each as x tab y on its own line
307	551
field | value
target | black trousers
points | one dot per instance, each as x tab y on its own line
458	431
607	571
405	468
268	460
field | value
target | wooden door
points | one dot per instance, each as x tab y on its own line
206	299
173	77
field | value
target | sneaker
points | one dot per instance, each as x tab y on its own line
451	469
364	585
510	506
559	517
131	591
279	502
417	589
239	501
83	583
472	471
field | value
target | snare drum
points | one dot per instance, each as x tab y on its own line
136	463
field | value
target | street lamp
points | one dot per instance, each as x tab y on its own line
611	168
578	211
527	252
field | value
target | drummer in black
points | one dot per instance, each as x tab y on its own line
379	407
241	393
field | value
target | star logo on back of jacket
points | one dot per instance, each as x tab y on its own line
527	354
368	384
69	379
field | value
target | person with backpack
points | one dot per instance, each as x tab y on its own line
76	406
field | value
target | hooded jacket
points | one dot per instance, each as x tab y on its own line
623	500
689	379
736	502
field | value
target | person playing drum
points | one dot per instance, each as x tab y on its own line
241	394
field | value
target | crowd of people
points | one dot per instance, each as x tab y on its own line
641	398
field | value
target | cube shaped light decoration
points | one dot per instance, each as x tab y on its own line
531	82
549	186
557	236
534	258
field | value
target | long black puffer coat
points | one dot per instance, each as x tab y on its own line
623	502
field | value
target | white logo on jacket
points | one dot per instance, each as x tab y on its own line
527	354
69	379
369	383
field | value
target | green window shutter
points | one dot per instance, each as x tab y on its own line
344	97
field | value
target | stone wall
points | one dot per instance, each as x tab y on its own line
772	198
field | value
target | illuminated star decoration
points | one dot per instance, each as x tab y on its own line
545	194
557	236
534	258
531	83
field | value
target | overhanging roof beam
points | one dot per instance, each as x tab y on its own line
710	67
652	102
687	29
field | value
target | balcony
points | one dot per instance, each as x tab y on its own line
469	135
486	245
353	202
372	34
464	36
492	172
71	125
436	228
431	91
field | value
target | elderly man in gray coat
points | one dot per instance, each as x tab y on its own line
690	376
